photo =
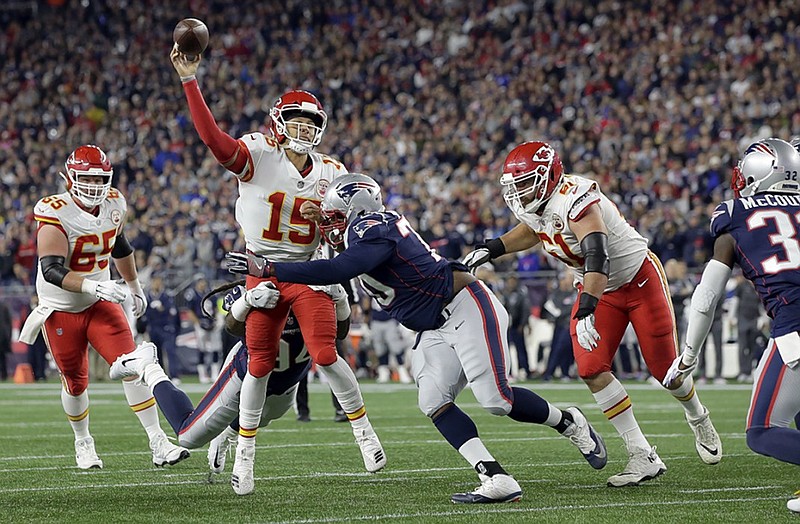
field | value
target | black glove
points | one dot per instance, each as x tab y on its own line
586	306
342	328
248	264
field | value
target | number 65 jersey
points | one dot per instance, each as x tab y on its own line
90	238
765	227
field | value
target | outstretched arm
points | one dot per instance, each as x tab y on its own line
701	312
226	149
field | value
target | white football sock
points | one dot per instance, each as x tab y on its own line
142	402
251	404
77	410
344	386
689	399
617	407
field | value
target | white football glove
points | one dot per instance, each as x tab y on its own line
675	371
265	295
139	298
339	296
587	334
106	290
476	258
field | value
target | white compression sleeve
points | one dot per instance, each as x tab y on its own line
704	301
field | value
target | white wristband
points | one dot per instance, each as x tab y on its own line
239	309
189	78
89	286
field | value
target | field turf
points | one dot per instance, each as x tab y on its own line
313	472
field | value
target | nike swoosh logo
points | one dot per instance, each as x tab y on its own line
127	360
461	324
643	282
712	451
600	454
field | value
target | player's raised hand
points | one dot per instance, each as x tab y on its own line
248	264
182	64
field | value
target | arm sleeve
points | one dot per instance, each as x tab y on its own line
355	260
704	302
224	147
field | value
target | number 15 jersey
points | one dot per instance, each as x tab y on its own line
271	191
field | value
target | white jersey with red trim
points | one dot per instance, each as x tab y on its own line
271	191
571	199
91	240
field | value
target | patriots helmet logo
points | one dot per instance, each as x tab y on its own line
348	191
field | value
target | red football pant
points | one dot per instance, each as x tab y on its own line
67	335
315	313
644	302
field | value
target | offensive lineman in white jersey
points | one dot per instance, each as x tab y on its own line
620	282
281	182
79	232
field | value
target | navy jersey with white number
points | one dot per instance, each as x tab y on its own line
395	266
765	227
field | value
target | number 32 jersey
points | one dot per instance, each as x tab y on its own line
765	227
90	238
271	191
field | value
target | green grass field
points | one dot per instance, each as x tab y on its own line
313	472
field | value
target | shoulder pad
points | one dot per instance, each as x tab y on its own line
367	224
581	193
721	218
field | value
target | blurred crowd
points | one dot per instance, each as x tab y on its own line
653	99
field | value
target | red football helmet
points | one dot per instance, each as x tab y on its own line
531	173
296	104
88	161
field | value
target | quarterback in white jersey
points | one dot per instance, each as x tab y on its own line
619	281
281	182
79	233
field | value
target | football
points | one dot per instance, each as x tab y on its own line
191	35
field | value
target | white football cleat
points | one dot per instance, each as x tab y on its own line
794	504
131	364
371	450
498	488
706	439
85	455
218	451
644	464
165	452
583	436
242	478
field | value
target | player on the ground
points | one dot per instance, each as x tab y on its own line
280	177
79	232
216	415
619	281
758	230
461	325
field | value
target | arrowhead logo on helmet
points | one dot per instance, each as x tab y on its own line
531	172
301	136
88	175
